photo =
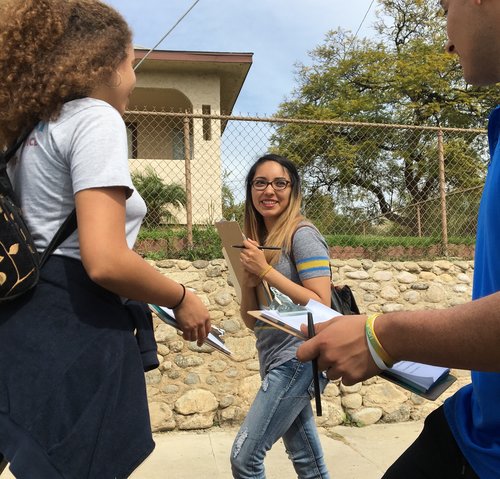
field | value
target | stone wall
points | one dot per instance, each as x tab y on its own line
198	388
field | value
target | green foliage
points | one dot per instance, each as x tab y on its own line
404	77
173	243
159	197
380	242
320	210
231	210
207	245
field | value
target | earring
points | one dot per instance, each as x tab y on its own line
119	80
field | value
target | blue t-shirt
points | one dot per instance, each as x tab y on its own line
473	413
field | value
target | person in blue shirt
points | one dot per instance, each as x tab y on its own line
462	437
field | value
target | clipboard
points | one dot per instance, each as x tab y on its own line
290	323
230	233
278	324
214	338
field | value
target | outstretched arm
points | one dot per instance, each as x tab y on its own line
464	337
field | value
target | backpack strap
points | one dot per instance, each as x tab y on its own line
5	184
69	225
62	233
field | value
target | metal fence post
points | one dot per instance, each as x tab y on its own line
189	194
419	221
442	191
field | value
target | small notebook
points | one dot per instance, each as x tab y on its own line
422	379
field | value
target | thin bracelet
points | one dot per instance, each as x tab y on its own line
265	271
182	297
374	341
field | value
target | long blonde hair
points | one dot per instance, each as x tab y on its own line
287	223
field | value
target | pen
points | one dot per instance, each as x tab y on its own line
317	391
276	248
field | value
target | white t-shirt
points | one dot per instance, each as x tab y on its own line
86	147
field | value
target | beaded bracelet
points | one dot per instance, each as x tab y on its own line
265	271
378	349
182	297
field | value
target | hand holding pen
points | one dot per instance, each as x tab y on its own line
253	259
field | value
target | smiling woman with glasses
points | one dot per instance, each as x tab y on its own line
301	270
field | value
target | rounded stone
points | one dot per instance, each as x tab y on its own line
406	278
191	379
200	264
366	416
209	286
196	401
382	276
223	298
389	293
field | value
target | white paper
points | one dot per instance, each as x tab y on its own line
423	375
321	313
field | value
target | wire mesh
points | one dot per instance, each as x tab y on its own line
363	184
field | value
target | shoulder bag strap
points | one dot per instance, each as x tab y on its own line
69	224
5	184
62	233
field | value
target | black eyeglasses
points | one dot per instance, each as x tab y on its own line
278	184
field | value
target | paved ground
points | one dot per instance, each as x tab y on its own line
355	453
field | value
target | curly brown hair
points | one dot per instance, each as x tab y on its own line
51	52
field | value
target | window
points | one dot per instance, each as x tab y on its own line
207	123
132	140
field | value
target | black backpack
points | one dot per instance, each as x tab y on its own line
20	262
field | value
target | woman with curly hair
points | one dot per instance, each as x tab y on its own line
301	270
72	390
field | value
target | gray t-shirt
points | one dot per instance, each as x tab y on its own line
312	260
86	147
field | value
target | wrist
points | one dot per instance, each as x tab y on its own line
265	271
181	298
379	354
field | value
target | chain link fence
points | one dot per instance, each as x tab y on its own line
365	185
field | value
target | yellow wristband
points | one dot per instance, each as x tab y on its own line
265	271
374	341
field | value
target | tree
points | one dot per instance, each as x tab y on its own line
231	210
404	77
159	197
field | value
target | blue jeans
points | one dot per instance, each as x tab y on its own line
282	408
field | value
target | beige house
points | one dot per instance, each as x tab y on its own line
185	150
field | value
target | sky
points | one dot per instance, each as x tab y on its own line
279	33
